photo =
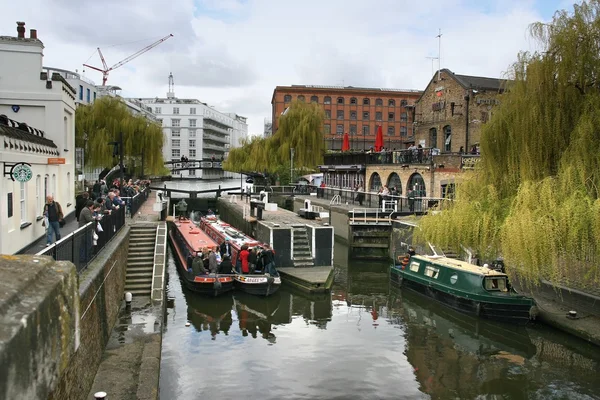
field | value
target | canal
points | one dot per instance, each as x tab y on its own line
365	340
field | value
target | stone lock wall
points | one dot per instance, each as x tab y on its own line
101	294
38	333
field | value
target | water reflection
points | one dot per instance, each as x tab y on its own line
364	340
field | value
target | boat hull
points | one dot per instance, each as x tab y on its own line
515	313
206	284
258	285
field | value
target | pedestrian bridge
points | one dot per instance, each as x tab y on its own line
205	163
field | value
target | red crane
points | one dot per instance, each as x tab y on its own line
106	69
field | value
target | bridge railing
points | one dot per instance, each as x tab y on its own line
79	246
406	204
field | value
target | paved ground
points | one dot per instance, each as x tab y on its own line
40	244
131	361
146	212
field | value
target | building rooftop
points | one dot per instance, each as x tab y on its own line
479	82
349	88
21	40
21	131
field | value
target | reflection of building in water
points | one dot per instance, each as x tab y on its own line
316	308
458	356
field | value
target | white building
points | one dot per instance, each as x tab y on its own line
194	130
87	91
37	127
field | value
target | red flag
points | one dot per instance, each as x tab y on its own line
346	142
379	139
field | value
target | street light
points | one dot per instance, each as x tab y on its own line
292	165
118	150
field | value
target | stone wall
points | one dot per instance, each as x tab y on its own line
38	334
101	293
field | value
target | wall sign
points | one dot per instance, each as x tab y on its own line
10	204
16	108
20	172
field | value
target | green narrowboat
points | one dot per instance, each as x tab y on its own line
469	288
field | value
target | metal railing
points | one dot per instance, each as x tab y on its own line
136	201
404	204
79	246
369	215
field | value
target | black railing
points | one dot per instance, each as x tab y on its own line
79	247
404	204
419	156
136	201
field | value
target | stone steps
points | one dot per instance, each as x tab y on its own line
302	255
140	260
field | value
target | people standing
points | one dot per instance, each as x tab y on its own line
225	248
244	253
213	266
252	259
54	216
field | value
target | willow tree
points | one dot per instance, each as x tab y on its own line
535	198
100	123
301	128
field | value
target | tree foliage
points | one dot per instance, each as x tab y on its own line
301	128
535	198
100	123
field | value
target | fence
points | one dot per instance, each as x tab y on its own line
404	204
137	201
78	246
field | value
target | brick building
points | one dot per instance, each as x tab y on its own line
440	111
357	111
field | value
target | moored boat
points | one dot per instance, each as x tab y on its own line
469	288
187	240
262	282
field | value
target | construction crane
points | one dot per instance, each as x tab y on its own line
106	69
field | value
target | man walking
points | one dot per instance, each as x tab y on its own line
53	213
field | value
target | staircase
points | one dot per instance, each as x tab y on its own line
302	256
140	261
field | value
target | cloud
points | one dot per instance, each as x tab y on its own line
232	53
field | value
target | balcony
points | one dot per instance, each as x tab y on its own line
215	122
403	157
216	138
215	147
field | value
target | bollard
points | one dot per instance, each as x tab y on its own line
100	395
128	297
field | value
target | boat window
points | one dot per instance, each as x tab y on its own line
495	284
432	272
414	266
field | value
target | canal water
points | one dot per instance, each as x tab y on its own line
364	340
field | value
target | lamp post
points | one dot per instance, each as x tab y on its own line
118	150
292	165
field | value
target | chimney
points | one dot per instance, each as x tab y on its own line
21	30
33	34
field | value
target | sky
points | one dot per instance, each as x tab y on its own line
231	54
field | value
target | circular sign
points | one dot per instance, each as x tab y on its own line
22	172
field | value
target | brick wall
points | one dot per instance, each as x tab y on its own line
101	293
443	104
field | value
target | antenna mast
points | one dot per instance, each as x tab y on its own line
432	58
439	36
171	92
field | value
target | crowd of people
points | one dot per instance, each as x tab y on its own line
255	260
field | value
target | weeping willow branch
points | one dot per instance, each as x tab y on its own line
534	199
300	128
100	123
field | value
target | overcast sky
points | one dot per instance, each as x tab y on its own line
232	53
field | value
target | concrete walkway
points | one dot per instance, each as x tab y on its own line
146	212
131	361
37	246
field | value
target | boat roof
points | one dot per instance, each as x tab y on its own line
196	238
459	265
235	236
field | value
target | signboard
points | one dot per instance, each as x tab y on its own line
469	162
56	161
20	172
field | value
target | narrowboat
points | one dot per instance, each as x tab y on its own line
187	240
260	283
469	288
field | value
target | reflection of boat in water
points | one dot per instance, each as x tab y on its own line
256	315
467	333
209	314
187	241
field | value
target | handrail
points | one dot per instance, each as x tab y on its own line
336	200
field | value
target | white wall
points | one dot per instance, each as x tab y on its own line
51	110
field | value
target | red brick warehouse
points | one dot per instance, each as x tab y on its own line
357	111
